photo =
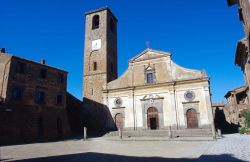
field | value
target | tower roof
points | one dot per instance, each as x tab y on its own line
101	9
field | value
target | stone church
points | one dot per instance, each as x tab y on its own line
153	93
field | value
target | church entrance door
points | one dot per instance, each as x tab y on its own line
152	118
119	121
192	120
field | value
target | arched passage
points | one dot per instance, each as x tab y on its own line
59	128
192	119
152	118
40	128
119	120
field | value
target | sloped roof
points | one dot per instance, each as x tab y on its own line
33	62
236	90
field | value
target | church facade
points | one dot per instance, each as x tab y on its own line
153	93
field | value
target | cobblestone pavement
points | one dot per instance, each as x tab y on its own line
231	148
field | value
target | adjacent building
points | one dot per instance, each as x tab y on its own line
32	100
238	99
242	49
237	103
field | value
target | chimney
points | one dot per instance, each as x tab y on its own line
43	61
2	50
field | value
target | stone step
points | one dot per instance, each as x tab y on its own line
164	133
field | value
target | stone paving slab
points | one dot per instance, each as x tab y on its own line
232	148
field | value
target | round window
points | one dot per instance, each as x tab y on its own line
118	101
189	95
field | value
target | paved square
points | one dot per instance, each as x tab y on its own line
230	148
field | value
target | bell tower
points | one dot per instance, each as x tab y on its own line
100	52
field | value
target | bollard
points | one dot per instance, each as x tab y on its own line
120	133
84	133
219	133
213	131
170	132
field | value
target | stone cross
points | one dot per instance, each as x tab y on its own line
148	44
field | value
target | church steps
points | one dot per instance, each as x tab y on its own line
164	133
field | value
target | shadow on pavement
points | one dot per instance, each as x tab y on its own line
100	157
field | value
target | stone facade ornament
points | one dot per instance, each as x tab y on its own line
118	102
189	95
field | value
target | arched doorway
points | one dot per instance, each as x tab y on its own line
59	128
40	128
192	120
119	120
152	118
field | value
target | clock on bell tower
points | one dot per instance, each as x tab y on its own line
100	52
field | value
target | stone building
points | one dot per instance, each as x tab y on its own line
222	118
238	99
154	92
33	101
237	103
242	58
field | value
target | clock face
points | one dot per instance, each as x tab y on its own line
96	44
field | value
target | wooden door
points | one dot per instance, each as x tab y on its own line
152	118
119	120
192	120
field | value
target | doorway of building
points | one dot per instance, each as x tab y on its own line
152	118
59	129
119	120
192	120
40	128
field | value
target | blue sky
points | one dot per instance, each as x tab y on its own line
199	34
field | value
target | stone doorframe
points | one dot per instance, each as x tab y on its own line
191	105
119	110
152	101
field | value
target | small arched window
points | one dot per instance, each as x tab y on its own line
112	25
150	78
95	66
95	22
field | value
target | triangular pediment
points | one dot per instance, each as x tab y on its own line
149	54
149	68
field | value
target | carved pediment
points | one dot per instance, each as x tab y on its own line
149	67
149	54
151	96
